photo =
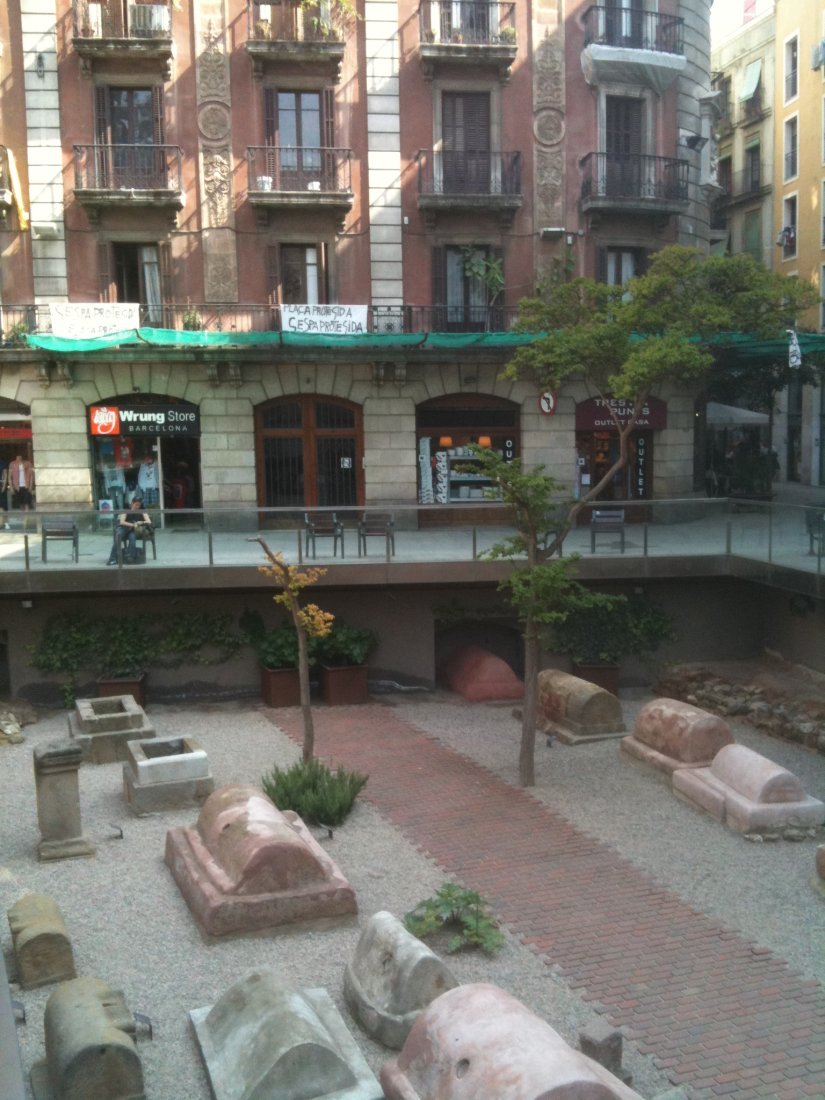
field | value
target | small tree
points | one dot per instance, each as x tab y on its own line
666	325
309	620
539	586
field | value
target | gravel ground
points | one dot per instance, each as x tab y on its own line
130	926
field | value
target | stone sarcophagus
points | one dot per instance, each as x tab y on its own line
575	710
749	793
42	949
477	1042
391	977
263	1039
247	866
90	1047
669	734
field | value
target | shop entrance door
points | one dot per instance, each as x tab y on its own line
597	451
308	453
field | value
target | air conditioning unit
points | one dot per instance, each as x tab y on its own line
149	20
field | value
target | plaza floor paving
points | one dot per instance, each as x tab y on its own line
720	1014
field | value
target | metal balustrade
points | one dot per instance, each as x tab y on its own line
634	28
112	19
128	168
468	173
309	169
467	23
633	176
293	21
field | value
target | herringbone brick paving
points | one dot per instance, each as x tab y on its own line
720	1015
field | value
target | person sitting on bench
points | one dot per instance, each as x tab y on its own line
128	525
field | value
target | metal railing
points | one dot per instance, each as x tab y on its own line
632	176
468	173
467	23
791	164
127	167
292	21
769	542
17	320
634	28
98	19
299	168
791	84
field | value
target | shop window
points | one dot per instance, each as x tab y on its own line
445	428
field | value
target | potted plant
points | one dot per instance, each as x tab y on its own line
342	655
125	650
599	630
507	35
263	29
192	320
277	652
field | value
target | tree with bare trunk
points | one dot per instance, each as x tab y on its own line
309	621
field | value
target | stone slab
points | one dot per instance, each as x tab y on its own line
262	1040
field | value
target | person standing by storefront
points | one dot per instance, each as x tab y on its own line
21	479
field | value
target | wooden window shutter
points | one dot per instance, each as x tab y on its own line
270	116
165	271
329	117
108	292
157	113
601	265
101	114
273	274
323	273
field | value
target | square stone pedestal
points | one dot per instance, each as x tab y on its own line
165	773
103	727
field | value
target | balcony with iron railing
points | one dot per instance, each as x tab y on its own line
753	180
107	29
461	181
467	32
128	176
299	177
632	45
791	164
231	317
292	31
633	182
791	84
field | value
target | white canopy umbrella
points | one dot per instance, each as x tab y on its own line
730	416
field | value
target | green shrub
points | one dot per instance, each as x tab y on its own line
463	914
318	795
345	645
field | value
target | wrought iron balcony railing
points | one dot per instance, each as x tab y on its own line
307	169
629	176
113	19
791	164
292	21
468	23
462	173
634	29
138	168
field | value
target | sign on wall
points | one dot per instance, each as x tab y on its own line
597	414
331	320
124	419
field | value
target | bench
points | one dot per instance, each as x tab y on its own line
323	525
376	524
58	527
606	521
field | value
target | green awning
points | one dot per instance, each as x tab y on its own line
753	74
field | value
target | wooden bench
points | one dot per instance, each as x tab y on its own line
606	521
58	527
323	525
376	524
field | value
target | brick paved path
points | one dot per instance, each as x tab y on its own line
720	1015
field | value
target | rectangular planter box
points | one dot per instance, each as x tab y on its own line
280	687
344	686
124	685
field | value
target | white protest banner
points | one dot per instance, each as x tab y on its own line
85	320
334	320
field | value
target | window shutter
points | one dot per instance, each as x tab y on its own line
323	273
497	312
329	117
157	114
270	115
601	265
101	114
273	275
439	300
165	271
106	285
